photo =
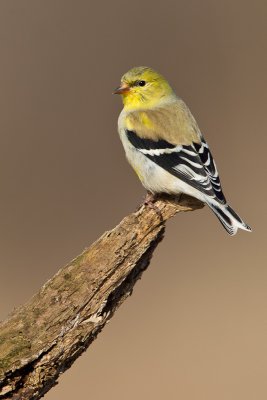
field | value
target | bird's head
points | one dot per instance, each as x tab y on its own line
142	87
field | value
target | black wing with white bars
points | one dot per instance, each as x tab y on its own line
192	164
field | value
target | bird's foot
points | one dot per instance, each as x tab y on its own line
150	202
149	198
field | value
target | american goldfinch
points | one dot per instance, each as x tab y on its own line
165	147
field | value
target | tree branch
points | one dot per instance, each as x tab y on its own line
42	339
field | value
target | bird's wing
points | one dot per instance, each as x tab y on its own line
193	164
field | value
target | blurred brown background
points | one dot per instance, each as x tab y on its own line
195	327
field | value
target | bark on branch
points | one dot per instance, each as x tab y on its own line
41	339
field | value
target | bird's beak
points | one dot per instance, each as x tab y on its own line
122	89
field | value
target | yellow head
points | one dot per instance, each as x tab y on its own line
143	88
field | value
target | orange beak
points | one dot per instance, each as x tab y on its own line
122	89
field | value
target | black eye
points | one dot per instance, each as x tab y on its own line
141	83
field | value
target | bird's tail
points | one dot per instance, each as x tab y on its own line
228	217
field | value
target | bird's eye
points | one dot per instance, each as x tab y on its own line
141	83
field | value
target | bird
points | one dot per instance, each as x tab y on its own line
165	146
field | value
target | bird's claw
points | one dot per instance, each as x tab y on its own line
150	202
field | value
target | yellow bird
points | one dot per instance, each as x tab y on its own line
165	147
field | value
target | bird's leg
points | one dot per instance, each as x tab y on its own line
150	200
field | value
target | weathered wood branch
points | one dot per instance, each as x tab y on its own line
41	339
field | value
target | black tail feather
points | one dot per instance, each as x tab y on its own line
228	218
